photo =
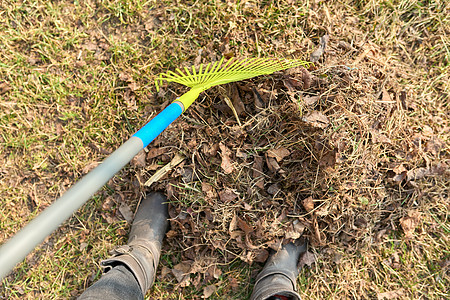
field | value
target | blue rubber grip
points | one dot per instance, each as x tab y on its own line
153	128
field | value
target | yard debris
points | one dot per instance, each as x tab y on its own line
126	212
396	294
410	222
177	159
231	104
227	195
209	290
310	100
360	138
182	274
273	189
4	87
257	172
209	191
315	56
306	259
226	164
139	159
278	154
308	204
317	119
295	231
155	152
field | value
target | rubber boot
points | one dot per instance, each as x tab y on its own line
279	275
141	254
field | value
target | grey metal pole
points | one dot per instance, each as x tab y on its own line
17	248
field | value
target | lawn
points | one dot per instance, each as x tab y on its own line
352	152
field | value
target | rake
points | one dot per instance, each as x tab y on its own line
198	79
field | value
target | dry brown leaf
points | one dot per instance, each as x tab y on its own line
4	87
316	119
171	233
209	191
273	189
427	131
391	295
227	195
385	97
272	164
434	146
244	226
310	100
139	159
90	166
378	137
214	271
247	206
236	98
126	212
328	160
308	204
226	164
258	171
306	78
231	106
410	222
181	273
278	154
241	154
234	283
208	291
164	272
307	259
261	255
155	152
399	169
417	174
233	224
295	231
210	150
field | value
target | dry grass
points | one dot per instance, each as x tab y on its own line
76	80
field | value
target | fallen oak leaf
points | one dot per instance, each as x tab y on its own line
139	159
295	231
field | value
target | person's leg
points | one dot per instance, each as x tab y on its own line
278	278
117	284
134	265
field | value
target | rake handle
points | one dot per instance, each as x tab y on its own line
16	249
